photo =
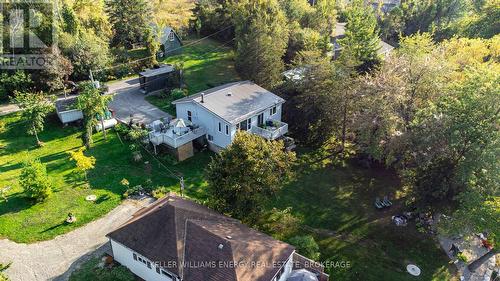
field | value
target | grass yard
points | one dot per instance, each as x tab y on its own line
207	64
23	221
91	270
335	202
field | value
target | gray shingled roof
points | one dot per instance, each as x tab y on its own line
178	231
236	101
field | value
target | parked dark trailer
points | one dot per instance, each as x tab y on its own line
157	79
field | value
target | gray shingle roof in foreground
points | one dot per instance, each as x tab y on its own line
234	102
181	235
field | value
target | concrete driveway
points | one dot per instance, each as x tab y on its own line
56	259
128	102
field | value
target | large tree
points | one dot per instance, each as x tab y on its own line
35	107
456	140
246	175
391	96
87	52
93	104
261	40
130	19
322	102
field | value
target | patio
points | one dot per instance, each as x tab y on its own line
176	133
271	130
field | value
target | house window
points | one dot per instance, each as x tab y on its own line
210	137
171	36
249	124
190	116
220	127
227	130
272	111
158	270
149	264
135	256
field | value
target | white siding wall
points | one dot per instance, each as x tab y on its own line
208	120
70	116
288	270
125	257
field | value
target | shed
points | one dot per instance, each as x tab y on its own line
170	42
156	79
66	110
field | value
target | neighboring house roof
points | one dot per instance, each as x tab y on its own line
340	29
384	48
167	68
66	104
234	102
178	231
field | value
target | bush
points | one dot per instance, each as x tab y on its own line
281	224
306	246
160	192
35	181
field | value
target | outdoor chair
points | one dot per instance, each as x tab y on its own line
378	203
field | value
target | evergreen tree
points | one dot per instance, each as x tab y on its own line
261	40
361	35
35	181
130	20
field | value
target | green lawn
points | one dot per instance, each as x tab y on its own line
336	201
92	271
207	64
23	221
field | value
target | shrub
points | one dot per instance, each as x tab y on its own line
160	192
34	180
281	224
306	246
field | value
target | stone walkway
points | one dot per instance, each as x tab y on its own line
474	250
56	259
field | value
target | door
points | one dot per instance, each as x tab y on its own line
260	119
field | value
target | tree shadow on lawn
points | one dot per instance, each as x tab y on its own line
15	203
16	138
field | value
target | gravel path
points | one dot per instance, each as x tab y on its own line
57	258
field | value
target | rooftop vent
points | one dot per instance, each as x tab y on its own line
229	94
221	246
202	97
229	237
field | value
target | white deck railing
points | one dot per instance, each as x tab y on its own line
173	140
271	133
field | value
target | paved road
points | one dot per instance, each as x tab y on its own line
128	100
57	258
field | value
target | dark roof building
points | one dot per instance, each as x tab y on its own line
183	240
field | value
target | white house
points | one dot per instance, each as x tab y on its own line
224	110
217	114
176	239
